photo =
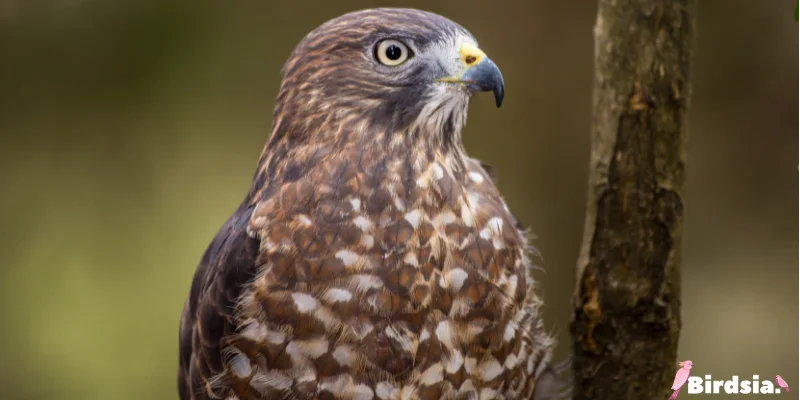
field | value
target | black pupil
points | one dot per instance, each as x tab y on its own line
393	52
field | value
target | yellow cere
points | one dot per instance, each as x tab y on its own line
470	54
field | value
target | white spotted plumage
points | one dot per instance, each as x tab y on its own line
382	265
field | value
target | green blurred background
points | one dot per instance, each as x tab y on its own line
130	131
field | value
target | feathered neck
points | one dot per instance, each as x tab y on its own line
300	141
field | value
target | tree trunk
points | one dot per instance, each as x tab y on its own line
626	320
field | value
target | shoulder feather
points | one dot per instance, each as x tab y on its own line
208	315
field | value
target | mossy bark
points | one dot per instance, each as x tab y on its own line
626	321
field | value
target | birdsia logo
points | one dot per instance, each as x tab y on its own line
698	385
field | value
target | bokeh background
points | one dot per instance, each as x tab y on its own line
131	128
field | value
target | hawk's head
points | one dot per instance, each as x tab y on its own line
383	71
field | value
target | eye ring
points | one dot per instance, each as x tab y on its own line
391	52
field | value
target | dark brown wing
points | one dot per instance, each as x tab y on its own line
208	315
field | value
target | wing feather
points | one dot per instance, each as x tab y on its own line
208	315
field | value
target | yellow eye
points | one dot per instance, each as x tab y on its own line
392	52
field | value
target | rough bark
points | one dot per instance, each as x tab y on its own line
626	320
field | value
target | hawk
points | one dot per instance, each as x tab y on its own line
372	258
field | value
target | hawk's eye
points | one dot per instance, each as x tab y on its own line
392	52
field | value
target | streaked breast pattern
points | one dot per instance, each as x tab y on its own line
395	278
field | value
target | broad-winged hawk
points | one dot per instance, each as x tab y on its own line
371	258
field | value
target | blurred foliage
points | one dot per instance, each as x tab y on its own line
130	131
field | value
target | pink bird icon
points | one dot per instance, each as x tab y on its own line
680	378
782	383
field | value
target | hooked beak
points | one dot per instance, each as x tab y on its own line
480	73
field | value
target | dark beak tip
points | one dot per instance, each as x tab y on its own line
498	96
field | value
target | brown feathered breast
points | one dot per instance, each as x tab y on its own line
372	259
